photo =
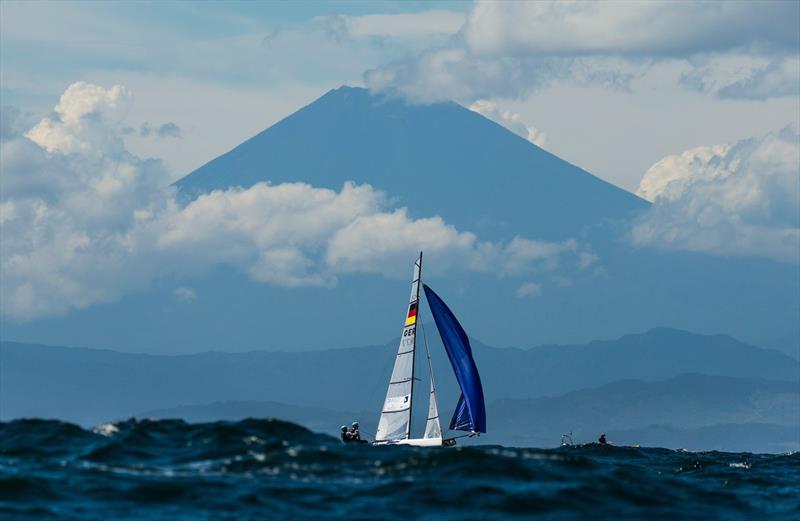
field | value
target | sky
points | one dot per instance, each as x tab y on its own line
694	106
605	86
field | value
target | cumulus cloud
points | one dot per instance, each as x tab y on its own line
84	221
741	199
508	49
381	242
510	120
274	233
84	121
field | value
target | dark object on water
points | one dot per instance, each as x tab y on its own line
602	439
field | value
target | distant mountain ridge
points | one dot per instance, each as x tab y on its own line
90	386
692	411
687	401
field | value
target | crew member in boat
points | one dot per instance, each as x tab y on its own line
345	433
354	432
602	439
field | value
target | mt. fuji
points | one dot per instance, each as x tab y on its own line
555	260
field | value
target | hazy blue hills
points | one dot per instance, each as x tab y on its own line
440	160
657	354
691	411
90	385
677	406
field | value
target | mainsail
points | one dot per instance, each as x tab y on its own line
395	421
470	413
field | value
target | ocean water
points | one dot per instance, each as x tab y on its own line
269	469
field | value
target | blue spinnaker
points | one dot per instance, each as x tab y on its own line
470	413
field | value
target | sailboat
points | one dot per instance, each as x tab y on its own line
394	426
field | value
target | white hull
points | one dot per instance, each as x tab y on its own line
416	442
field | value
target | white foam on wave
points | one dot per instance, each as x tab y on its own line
105	429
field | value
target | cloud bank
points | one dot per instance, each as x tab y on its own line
741	199
85	221
509	49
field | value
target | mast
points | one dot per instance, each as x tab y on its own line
415	289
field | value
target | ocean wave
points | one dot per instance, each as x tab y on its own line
254	468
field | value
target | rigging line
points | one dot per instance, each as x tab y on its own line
428	353
430	364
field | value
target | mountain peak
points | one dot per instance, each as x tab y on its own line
438	159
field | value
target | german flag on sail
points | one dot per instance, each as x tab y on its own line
411	319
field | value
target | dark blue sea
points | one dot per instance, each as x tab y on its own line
268	469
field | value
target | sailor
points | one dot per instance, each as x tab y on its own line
602	439
345	434
354	434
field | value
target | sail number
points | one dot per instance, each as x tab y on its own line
409	331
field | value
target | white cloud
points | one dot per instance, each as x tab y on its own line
84	221
776	78
739	199
382	243
509	49
616	27
529	290
400	25
521	254
82	120
274	233
378	242
745	77
510	120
